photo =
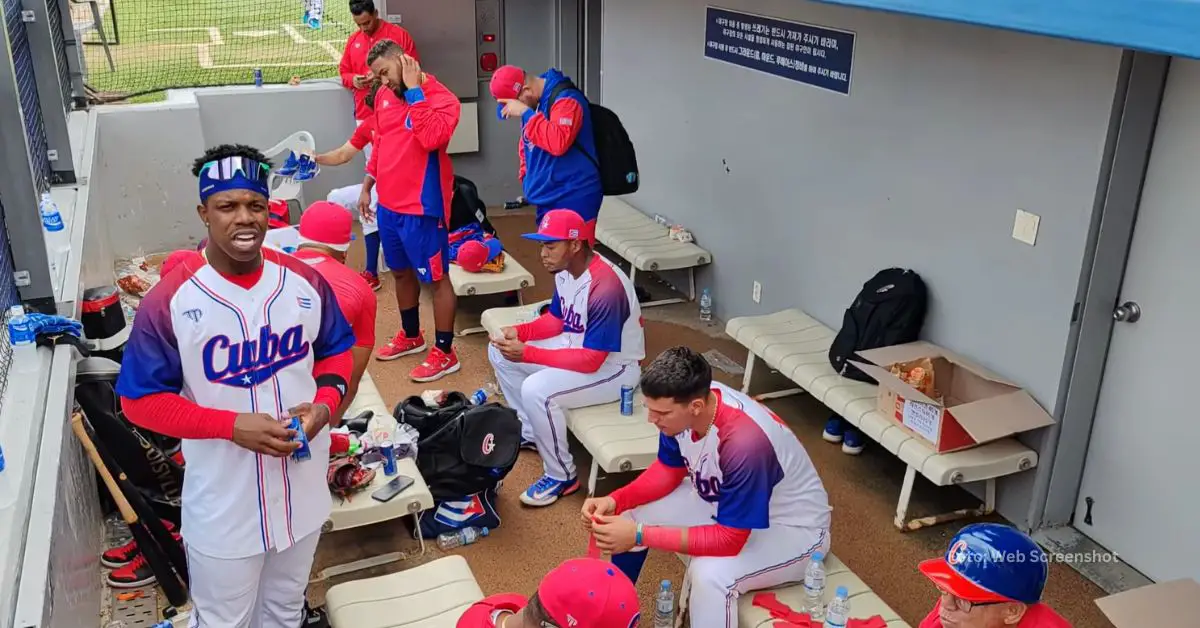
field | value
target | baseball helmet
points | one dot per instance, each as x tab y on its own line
990	562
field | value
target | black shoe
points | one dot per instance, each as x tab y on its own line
314	617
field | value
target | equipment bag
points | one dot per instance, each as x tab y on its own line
466	207
478	510
889	310
463	449
615	157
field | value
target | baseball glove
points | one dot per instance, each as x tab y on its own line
346	477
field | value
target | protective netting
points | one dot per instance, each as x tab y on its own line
157	45
8	298
31	108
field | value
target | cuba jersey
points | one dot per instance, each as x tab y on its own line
244	350
599	310
750	467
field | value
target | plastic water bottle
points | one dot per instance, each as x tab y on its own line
664	606
58	241
814	587
838	614
465	536
22	340
706	306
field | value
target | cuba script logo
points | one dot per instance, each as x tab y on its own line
572	320
252	362
709	488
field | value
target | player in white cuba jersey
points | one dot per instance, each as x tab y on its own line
226	345
732	487
579	353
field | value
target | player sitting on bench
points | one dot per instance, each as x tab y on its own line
732	487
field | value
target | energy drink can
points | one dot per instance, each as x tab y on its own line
389	457
302	454
258	77
627	400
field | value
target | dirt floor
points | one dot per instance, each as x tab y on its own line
863	489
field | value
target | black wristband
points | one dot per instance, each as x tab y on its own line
336	382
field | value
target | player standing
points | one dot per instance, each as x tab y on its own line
732	487
579	353
325	230
415	117
222	348
354	68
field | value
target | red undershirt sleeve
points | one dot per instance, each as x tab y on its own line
578	359
708	540
172	415
653	484
337	366
545	326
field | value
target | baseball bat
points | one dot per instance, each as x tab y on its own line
149	548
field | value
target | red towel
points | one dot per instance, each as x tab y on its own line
789	618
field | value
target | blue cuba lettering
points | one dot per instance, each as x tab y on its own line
709	489
572	320
252	362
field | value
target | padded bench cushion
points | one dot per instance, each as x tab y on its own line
361	510
493	319
643	242
513	277
433	595
618	443
797	345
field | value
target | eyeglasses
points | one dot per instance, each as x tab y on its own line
227	168
953	601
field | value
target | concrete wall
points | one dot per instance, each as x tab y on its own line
948	130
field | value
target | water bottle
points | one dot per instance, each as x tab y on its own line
479	397
22	340
838	614
465	536
58	241
664	607
706	306
814	587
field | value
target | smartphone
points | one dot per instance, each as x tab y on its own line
393	488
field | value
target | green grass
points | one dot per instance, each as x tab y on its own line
156	53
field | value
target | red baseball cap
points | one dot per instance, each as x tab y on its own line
278	214
326	224
472	255
558	225
507	83
589	593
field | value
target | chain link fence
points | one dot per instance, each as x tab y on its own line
137	49
8	298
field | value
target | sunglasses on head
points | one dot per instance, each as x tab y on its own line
228	168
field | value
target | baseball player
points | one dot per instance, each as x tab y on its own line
415	117
348	196
732	487
579	593
324	238
579	353
991	577
222	348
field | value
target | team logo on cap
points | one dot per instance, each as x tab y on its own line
517	86
545	223
958	553
572	233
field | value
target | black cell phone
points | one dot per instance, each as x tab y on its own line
392	489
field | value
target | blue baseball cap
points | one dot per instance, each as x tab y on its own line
990	562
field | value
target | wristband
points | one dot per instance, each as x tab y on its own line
637	538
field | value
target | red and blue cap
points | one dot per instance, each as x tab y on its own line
990	562
507	83
558	225
589	593
326	224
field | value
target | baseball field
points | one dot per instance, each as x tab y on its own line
163	44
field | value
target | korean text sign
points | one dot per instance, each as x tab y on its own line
815	55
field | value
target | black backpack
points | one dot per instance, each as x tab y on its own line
889	310
466	207
463	449
615	160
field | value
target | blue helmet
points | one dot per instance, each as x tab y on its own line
990	562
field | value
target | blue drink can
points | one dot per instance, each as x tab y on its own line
627	400
303	453
389	457
258	78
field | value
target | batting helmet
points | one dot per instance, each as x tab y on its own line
990	562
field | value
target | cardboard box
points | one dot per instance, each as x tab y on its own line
976	406
1174	604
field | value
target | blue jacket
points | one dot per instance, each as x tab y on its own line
558	174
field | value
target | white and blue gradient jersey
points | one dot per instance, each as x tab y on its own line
600	311
240	349
750	467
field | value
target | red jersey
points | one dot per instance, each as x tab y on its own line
354	297
1036	616
486	612
364	133
354	59
412	170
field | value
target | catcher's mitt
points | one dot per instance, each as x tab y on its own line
346	477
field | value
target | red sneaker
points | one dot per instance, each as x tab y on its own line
401	346
132	576
372	280
120	556
436	366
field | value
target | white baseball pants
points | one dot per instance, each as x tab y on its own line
261	591
348	197
541	395
771	557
